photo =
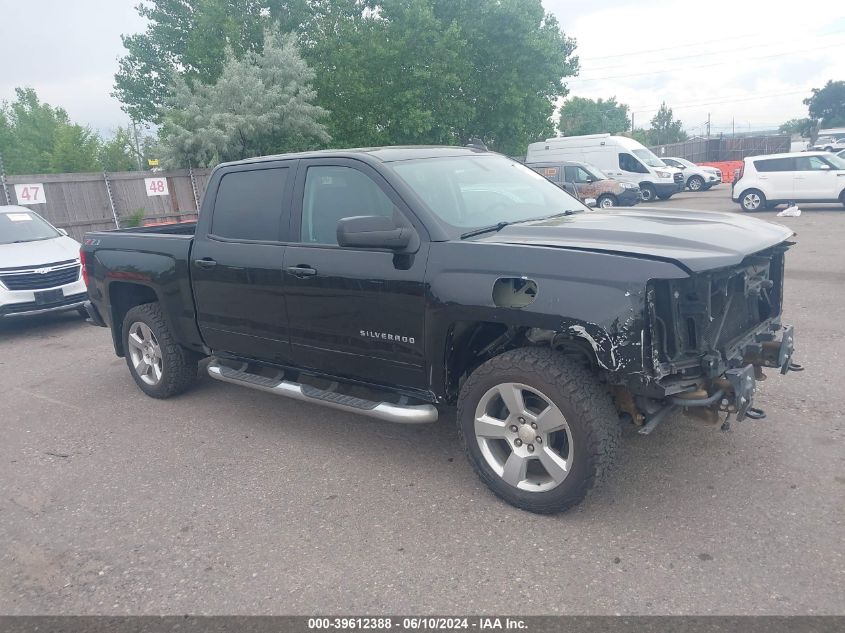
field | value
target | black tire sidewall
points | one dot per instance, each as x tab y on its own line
574	487
763	201
178	367
652	192
607	196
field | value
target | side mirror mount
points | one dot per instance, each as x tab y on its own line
824	167
590	202
62	231
373	231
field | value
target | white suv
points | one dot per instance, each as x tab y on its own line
39	266
697	177
767	181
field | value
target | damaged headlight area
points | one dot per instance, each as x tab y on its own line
710	335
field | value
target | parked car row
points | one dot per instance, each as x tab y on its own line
616	170
39	266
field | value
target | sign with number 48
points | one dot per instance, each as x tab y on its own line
156	186
30	194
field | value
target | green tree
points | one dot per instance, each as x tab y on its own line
587	116
75	149
38	138
391	71
189	38
827	104
665	128
119	153
260	104
805	127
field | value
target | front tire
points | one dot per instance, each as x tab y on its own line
647	192
159	365
606	201
567	430
695	183
752	200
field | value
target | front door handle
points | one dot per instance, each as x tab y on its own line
205	262
301	271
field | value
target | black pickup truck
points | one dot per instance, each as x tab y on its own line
397	282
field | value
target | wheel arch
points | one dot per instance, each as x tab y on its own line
470	344
122	296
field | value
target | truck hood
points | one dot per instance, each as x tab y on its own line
696	240
39	252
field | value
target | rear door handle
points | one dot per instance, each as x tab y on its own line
302	270
205	262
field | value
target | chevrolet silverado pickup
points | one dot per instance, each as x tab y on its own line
398	282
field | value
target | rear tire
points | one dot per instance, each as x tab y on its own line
695	183
752	200
159	365
555	398
82	312
647	192
606	201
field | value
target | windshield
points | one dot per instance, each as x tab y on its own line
597	173
24	226
648	157
478	191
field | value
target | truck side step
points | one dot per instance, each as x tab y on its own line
400	413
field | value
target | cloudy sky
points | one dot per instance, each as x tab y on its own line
748	63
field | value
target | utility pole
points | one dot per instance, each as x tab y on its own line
137	146
632	122
708	125
733	126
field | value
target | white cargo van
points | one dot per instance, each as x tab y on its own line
619	157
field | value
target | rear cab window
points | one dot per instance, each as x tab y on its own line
251	205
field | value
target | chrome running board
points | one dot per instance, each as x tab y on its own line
402	414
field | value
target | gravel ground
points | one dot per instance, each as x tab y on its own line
227	500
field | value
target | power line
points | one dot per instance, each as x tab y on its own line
668	48
721	52
639	109
672	70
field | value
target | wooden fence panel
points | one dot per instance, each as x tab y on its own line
80	202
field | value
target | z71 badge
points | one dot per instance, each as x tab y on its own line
384	336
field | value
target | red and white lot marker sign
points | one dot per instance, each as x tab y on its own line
30	194
156	186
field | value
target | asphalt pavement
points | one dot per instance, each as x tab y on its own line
231	501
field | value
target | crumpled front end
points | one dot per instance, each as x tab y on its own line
709	336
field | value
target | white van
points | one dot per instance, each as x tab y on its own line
619	157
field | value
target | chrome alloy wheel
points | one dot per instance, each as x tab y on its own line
524	437
751	201
145	353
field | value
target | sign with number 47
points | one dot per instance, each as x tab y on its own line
156	186
30	194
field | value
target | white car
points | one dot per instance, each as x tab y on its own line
767	181
829	144
697	177
39	266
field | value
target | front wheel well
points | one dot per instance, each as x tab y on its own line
472	343
123	297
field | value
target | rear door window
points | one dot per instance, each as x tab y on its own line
251	205
775	164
